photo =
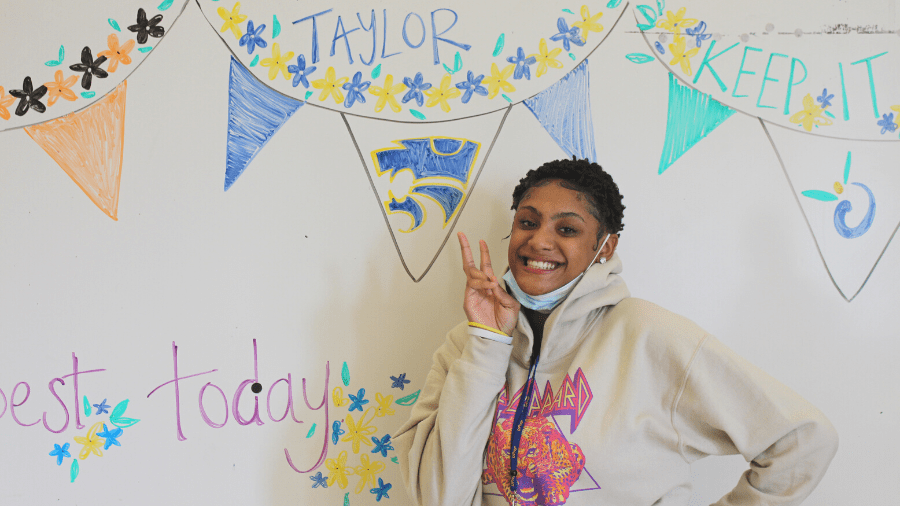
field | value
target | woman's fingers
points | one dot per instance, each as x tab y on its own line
486	260
467	262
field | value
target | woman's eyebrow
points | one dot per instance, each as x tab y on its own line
568	214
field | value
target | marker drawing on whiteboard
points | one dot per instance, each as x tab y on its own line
399	381
345	374
60	452
336	431
312	431
409	400
358	400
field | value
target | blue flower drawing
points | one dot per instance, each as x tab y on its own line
399	381
301	72
567	35
416	87
522	64
825	99
355	89
358	400
698	34
60	452
319	480
471	85
381	490
887	123
252	39
382	445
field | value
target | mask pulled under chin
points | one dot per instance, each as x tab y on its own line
548	300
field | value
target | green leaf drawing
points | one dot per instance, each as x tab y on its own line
639	57
819	195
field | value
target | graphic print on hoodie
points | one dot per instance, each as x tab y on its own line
548	464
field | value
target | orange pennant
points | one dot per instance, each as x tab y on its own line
88	146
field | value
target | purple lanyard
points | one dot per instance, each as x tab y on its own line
519	423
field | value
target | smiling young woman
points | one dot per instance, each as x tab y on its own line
667	393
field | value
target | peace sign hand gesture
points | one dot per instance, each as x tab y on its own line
485	301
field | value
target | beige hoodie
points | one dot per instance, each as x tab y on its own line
628	395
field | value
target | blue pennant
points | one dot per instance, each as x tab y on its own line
255	113
692	116
564	110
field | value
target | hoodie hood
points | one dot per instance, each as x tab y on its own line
600	288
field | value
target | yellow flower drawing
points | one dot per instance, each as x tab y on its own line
675	22
337	395
810	115
440	95
339	470
681	55
545	59
498	80
386	95
588	23
367	471
92	443
277	62
359	432
232	20
384	405
330	86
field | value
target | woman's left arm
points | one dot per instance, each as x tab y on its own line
726	406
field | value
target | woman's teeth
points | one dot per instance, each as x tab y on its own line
543	266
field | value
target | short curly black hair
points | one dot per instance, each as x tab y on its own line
604	199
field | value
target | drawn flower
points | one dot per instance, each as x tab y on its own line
336	431
277	62
355	89
357	401
825	99
887	123
382	445
441	95
384	403
253	38
498	80
60	452
545	59
29	98
893	107
145	27
111	436
339	470
337	395
319	480
367	471
588	23
93	443
698	33
330	86
567	35
675	22
416	87
300	71
399	381
810	115
381	490
386	95
90	67
232	20
680	54
359	432
117	54
102	408
60	88
472	84
522	64
5	102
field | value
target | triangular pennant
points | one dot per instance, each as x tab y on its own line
88	145
692	116
564	110
422	176
845	192
255	113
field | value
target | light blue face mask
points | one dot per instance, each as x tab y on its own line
551	299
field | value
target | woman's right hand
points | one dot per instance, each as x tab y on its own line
485	301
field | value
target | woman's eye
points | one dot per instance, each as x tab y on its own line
526	223
568	231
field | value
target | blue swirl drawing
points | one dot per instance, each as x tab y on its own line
844	207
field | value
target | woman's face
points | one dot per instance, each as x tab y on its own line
553	238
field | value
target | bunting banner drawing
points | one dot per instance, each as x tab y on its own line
47	79
422	178
88	146
255	113
818	100
848	200
472	71
692	115
564	110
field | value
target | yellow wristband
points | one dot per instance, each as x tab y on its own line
489	329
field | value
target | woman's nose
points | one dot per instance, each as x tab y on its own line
542	239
